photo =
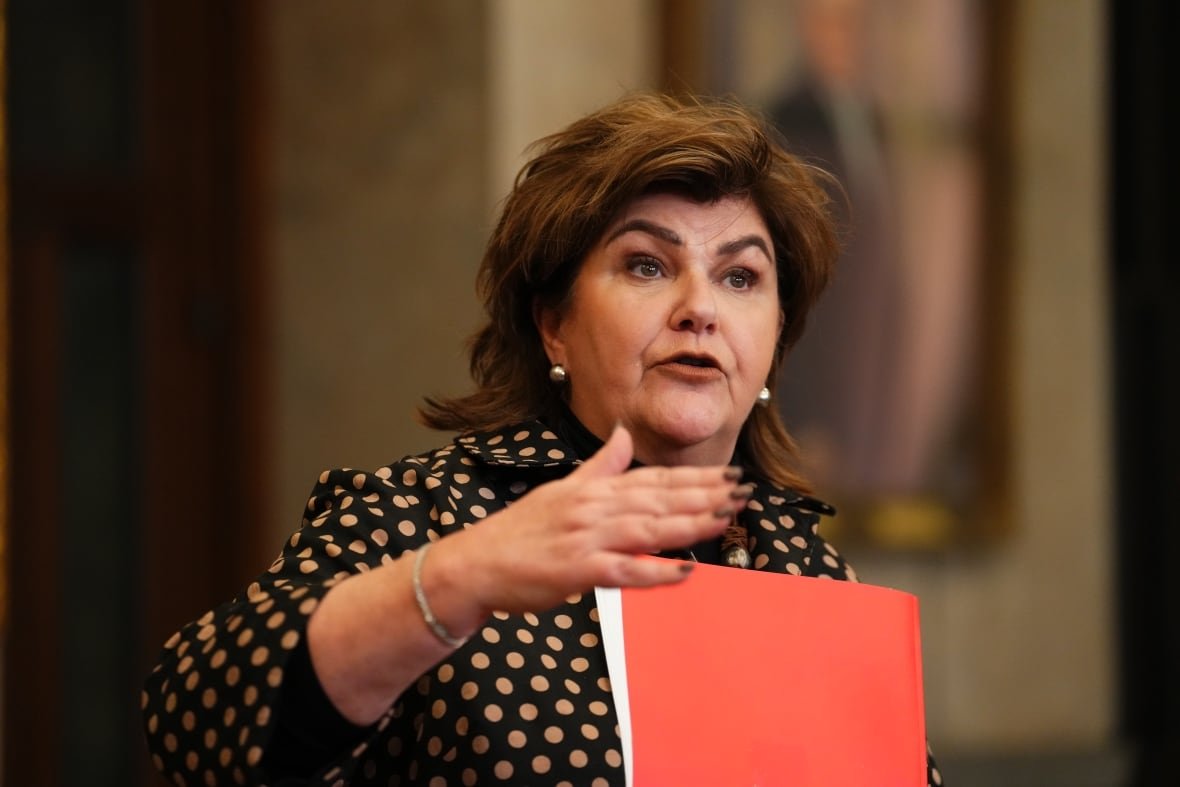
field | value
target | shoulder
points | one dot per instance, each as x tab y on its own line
784	529
372	516
515	458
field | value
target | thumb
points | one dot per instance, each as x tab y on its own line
612	459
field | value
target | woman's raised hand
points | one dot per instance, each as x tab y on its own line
596	526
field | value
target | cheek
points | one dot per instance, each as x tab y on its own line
604	346
756	343
621	335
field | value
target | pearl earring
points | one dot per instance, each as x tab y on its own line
557	373
764	396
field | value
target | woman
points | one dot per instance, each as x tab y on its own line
433	621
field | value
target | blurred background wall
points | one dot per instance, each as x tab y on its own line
243	241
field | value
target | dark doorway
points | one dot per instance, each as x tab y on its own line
136	380
1145	278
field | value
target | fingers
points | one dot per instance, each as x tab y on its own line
597	526
647	509
725	499
681	477
642	523
615	455
646	534
642	571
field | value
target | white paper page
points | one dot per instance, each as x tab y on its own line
610	617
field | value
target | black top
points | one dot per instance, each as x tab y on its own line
527	700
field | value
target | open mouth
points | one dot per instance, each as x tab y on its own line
695	360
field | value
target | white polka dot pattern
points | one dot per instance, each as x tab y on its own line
527	700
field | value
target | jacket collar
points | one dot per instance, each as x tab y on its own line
781	524
530	444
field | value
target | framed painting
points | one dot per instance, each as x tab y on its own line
895	393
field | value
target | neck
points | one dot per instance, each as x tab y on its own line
650	448
655	450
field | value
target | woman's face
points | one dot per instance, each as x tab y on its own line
671	327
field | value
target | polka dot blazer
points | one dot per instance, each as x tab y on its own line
526	701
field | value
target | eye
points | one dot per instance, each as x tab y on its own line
644	267
740	278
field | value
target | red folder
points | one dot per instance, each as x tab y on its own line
749	678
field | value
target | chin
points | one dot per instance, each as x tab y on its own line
684	432
680	423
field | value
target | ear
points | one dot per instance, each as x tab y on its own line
548	321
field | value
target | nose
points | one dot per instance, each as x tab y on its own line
696	304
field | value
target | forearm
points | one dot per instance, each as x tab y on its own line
368	638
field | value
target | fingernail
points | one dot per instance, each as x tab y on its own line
742	492
723	513
733	473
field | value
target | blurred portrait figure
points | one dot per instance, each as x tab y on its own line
881	98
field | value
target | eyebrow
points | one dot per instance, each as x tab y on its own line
663	233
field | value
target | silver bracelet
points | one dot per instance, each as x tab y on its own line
438	628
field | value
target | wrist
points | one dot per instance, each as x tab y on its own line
442	594
436	626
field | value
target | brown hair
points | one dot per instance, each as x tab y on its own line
568	193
